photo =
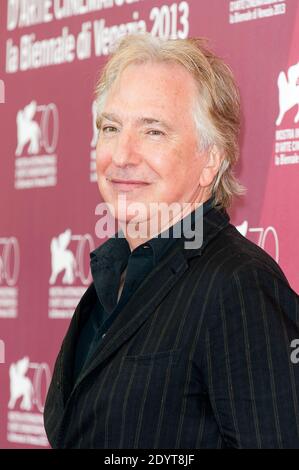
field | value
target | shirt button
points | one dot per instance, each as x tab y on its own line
103	336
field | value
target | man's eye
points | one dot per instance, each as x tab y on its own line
155	132
108	129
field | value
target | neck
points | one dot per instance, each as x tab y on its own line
142	230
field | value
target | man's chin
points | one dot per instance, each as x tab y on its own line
125	218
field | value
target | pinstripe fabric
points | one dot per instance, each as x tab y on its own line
199	357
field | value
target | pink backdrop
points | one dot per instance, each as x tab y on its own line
50	56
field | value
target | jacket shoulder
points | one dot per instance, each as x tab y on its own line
236	253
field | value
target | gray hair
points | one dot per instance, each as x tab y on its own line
216	111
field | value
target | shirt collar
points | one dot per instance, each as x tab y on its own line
117	249
108	261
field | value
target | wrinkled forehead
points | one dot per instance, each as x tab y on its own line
162	70
164	86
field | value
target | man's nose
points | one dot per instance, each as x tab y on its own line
125	151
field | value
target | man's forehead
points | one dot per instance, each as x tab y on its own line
151	78
173	68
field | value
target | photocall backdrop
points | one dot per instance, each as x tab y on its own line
51	53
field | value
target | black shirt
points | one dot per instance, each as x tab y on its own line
107	263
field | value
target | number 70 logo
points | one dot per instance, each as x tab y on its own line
263	236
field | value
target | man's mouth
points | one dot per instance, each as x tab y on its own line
127	185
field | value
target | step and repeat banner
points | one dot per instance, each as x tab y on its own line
51	52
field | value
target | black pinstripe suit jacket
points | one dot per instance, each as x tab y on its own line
198	358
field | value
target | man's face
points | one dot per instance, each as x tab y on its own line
147	134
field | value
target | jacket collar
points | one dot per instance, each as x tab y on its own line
207	228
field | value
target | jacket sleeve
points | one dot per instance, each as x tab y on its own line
248	366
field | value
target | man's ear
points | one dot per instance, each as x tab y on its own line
213	160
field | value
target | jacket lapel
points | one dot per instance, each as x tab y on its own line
139	307
68	348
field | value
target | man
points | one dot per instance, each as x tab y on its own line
175	346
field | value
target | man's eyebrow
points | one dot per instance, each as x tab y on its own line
139	120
